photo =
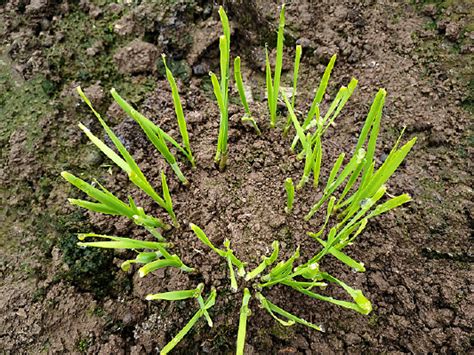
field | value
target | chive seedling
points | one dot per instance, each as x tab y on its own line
204	307
155	260
176	295
273	84
267	261
274	310
109	204
240	88
311	162
155	135
221	91
290	195
244	313
179	112
318	154
296	68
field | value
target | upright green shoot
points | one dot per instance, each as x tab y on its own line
244	313
373	115
221	91
309	162
296	68
179	111
240	87
356	160
311	120
273	84
267	261
318	97
290	195
318	154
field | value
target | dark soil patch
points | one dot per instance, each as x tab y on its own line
58	298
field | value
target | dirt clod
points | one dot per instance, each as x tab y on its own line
137	57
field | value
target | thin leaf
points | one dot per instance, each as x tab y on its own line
335	170
299	129
178	109
122	164
318	153
115	140
109	200
203	238
269	83
93	206
174	261
330	208
167	199
240	85
182	333
290	194
120	242
272	309
175	295
244	313
267	261
355	265
278	63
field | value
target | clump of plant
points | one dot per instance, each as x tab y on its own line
354	192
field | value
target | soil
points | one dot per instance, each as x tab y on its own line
57	298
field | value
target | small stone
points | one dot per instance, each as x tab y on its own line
430	10
44	23
437	139
306	43
452	31
59	36
95	49
36	6
95	93
21	313
352	339
114	8
94	158
201	69
95	12
277	221
137	57
324	54
124	26
300	342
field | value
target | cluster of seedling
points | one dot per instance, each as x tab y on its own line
360	186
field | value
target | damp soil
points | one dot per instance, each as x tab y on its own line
59	298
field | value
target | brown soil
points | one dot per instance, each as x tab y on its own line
58	298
